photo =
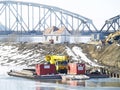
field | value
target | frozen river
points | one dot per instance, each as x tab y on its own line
15	83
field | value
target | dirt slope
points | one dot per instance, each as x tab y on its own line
106	55
33	53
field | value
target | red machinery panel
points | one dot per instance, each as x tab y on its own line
44	69
76	68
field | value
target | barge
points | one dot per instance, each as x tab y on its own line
30	75
75	71
98	75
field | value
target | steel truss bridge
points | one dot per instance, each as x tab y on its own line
111	25
27	18
33	18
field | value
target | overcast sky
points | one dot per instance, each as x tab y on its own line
97	10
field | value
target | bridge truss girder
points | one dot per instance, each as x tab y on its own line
24	17
111	25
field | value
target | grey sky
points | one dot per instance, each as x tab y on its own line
97	10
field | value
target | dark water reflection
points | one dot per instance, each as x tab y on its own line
14	83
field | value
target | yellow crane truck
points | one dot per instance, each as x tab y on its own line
61	62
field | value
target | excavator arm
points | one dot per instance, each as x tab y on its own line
113	37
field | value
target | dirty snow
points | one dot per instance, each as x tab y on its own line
5	69
77	54
11	57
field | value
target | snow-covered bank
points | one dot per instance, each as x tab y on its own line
77	54
19	56
11	56
5	69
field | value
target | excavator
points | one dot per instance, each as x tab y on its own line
61	62
113	37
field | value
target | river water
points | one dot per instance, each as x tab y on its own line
15	83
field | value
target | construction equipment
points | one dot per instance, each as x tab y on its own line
61	62
113	37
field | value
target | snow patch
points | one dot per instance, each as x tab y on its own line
77	54
5	69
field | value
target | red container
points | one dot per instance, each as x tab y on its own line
44	69
76	68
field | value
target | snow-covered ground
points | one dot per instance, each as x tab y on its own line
78	55
12	58
5	69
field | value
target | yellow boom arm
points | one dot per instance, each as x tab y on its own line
54	58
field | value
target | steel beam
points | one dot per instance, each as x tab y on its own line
111	25
26	17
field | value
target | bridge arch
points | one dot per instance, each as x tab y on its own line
111	25
26	17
